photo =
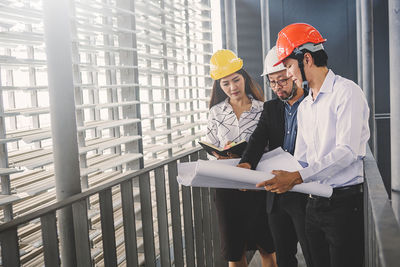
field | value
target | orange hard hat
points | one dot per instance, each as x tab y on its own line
296	35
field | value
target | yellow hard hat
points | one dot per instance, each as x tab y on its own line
223	63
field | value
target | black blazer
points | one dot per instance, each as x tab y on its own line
269	134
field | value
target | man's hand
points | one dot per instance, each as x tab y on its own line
244	165
282	182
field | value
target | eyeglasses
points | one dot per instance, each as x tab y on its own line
282	82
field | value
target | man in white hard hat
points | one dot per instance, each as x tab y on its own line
277	127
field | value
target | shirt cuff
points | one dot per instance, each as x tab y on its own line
306	174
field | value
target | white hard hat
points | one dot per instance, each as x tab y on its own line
270	60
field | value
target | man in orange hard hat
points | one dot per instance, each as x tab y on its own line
331	142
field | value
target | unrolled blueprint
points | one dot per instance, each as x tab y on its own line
225	174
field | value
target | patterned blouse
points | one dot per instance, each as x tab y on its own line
223	125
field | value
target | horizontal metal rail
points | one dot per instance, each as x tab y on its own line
382	232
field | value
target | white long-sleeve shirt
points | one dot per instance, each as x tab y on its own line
333	132
223	125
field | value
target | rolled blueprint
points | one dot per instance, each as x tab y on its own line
225	174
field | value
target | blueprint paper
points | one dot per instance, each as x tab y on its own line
225	174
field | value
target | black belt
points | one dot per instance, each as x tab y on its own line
342	191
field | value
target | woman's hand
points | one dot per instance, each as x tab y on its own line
230	155
227	145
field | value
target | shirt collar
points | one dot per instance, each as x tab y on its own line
327	86
227	108
295	103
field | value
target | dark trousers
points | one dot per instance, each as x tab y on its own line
335	230
287	224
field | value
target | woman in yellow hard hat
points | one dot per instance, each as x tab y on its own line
235	107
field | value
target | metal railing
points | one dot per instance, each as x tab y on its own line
186	233
382	232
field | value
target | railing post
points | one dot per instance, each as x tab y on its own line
367	223
107	228
81	230
10	248
50	239
175	214
162	216
218	260
394	55
207	224
147	220
188	222
128	213
198	217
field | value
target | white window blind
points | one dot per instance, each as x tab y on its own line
141	86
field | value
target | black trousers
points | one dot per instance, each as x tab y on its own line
335	230
287	224
242	222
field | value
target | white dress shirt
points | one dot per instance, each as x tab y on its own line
333	133
223	125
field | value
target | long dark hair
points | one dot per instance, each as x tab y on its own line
251	87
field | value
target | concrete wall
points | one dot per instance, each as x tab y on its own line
335	20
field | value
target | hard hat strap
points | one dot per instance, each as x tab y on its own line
292	94
300	57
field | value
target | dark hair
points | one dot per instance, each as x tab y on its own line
251	87
320	57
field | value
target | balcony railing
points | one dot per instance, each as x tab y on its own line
382	232
179	229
